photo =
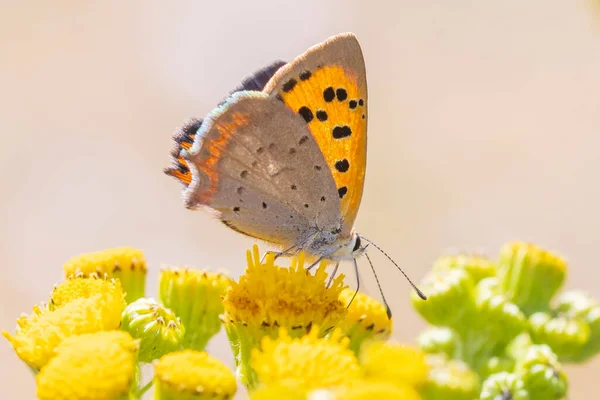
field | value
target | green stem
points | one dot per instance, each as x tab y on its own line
244	371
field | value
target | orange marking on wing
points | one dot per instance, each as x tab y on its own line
310	93
175	169
216	148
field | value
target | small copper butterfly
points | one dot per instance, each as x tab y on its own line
283	158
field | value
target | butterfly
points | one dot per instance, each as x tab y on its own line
283	157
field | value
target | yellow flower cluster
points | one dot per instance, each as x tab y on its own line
294	333
312	366
77	306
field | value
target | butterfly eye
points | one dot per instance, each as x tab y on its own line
356	244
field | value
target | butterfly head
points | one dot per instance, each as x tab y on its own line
348	247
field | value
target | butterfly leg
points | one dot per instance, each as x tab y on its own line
311	266
278	254
332	276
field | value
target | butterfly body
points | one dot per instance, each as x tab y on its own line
283	158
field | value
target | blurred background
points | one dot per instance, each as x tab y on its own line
484	127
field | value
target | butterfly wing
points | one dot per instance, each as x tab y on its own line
256	163
184	135
327	86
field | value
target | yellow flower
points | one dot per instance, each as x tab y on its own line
38	334
125	263
272	296
195	297
308	362
368	390
366	319
278	392
94	366
78	287
394	363
268	297
191	374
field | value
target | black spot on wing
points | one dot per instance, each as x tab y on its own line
341	94
306	114
322	115
342	191
305	75
342	165
329	94
289	85
340	132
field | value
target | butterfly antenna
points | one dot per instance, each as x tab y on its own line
419	292
357	282
388	310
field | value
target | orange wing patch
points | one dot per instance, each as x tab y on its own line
215	148
334	107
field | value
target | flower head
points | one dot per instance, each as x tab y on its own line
38	334
366	319
157	327
268	297
566	336
368	390
191	374
278	392
579	306
450	297
93	366
80	287
530	276
542	374
477	266
125	263
503	385
195	297
450	380
394	363
439	341
271	296
309	362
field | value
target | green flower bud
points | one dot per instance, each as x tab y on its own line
439	341
518	346
195	297
542	375
566	336
478	267
501	319
488	287
496	322
157	327
450	380
496	365
579	305
450	297
530	276
545	383
503	386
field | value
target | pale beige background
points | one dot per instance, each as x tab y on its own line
484	127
